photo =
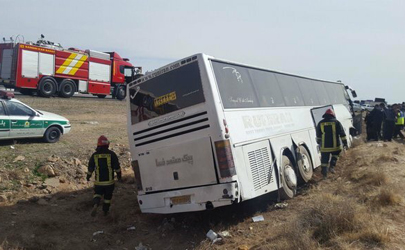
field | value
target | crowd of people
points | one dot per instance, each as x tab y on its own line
385	122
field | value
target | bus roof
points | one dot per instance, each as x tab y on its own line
168	67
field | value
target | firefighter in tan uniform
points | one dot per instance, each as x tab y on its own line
329	132
104	163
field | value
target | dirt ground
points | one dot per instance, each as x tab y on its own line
359	207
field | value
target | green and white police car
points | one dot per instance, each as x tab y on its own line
18	120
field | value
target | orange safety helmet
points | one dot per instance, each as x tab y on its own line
103	141
330	112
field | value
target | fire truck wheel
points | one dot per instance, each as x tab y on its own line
67	88
52	134
47	87
288	179
101	96
121	93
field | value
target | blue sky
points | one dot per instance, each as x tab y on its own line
359	42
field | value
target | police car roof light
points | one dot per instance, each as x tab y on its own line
6	95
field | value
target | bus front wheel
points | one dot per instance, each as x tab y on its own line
305	168
288	179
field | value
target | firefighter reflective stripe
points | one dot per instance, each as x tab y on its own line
333	126
107	201
72	64
400	118
110	179
97	195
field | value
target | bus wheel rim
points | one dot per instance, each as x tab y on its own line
290	177
305	163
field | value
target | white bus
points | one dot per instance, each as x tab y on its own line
205	132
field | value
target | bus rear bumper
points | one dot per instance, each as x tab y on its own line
188	200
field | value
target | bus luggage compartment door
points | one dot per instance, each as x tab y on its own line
187	164
259	168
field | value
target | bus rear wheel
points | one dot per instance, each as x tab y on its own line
305	167
288	179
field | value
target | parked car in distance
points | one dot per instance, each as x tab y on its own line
357	107
18	120
367	107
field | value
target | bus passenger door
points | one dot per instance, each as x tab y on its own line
318	112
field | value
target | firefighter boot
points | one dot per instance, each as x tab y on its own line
96	203
325	172
106	207
333	162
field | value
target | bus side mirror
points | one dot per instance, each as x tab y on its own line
354	94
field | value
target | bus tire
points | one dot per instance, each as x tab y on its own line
52	134
67	88
121	92
305	166
47	87
288	179
101	96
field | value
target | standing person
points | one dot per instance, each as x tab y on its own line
377	117
329	132
369	126
389	123
399	123
105	162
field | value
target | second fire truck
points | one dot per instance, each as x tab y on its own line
49	69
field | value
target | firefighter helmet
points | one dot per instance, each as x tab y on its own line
103	141
330	112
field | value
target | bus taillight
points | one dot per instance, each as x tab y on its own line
135	167
225	158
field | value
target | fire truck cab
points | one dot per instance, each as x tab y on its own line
48	69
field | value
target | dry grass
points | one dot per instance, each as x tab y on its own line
385	158
330	216
6	246
388	197
332	222
367	175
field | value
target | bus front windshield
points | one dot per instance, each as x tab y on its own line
167	92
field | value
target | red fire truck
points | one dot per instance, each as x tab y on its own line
49	69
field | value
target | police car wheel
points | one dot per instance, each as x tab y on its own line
288	179
52	134
305	168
